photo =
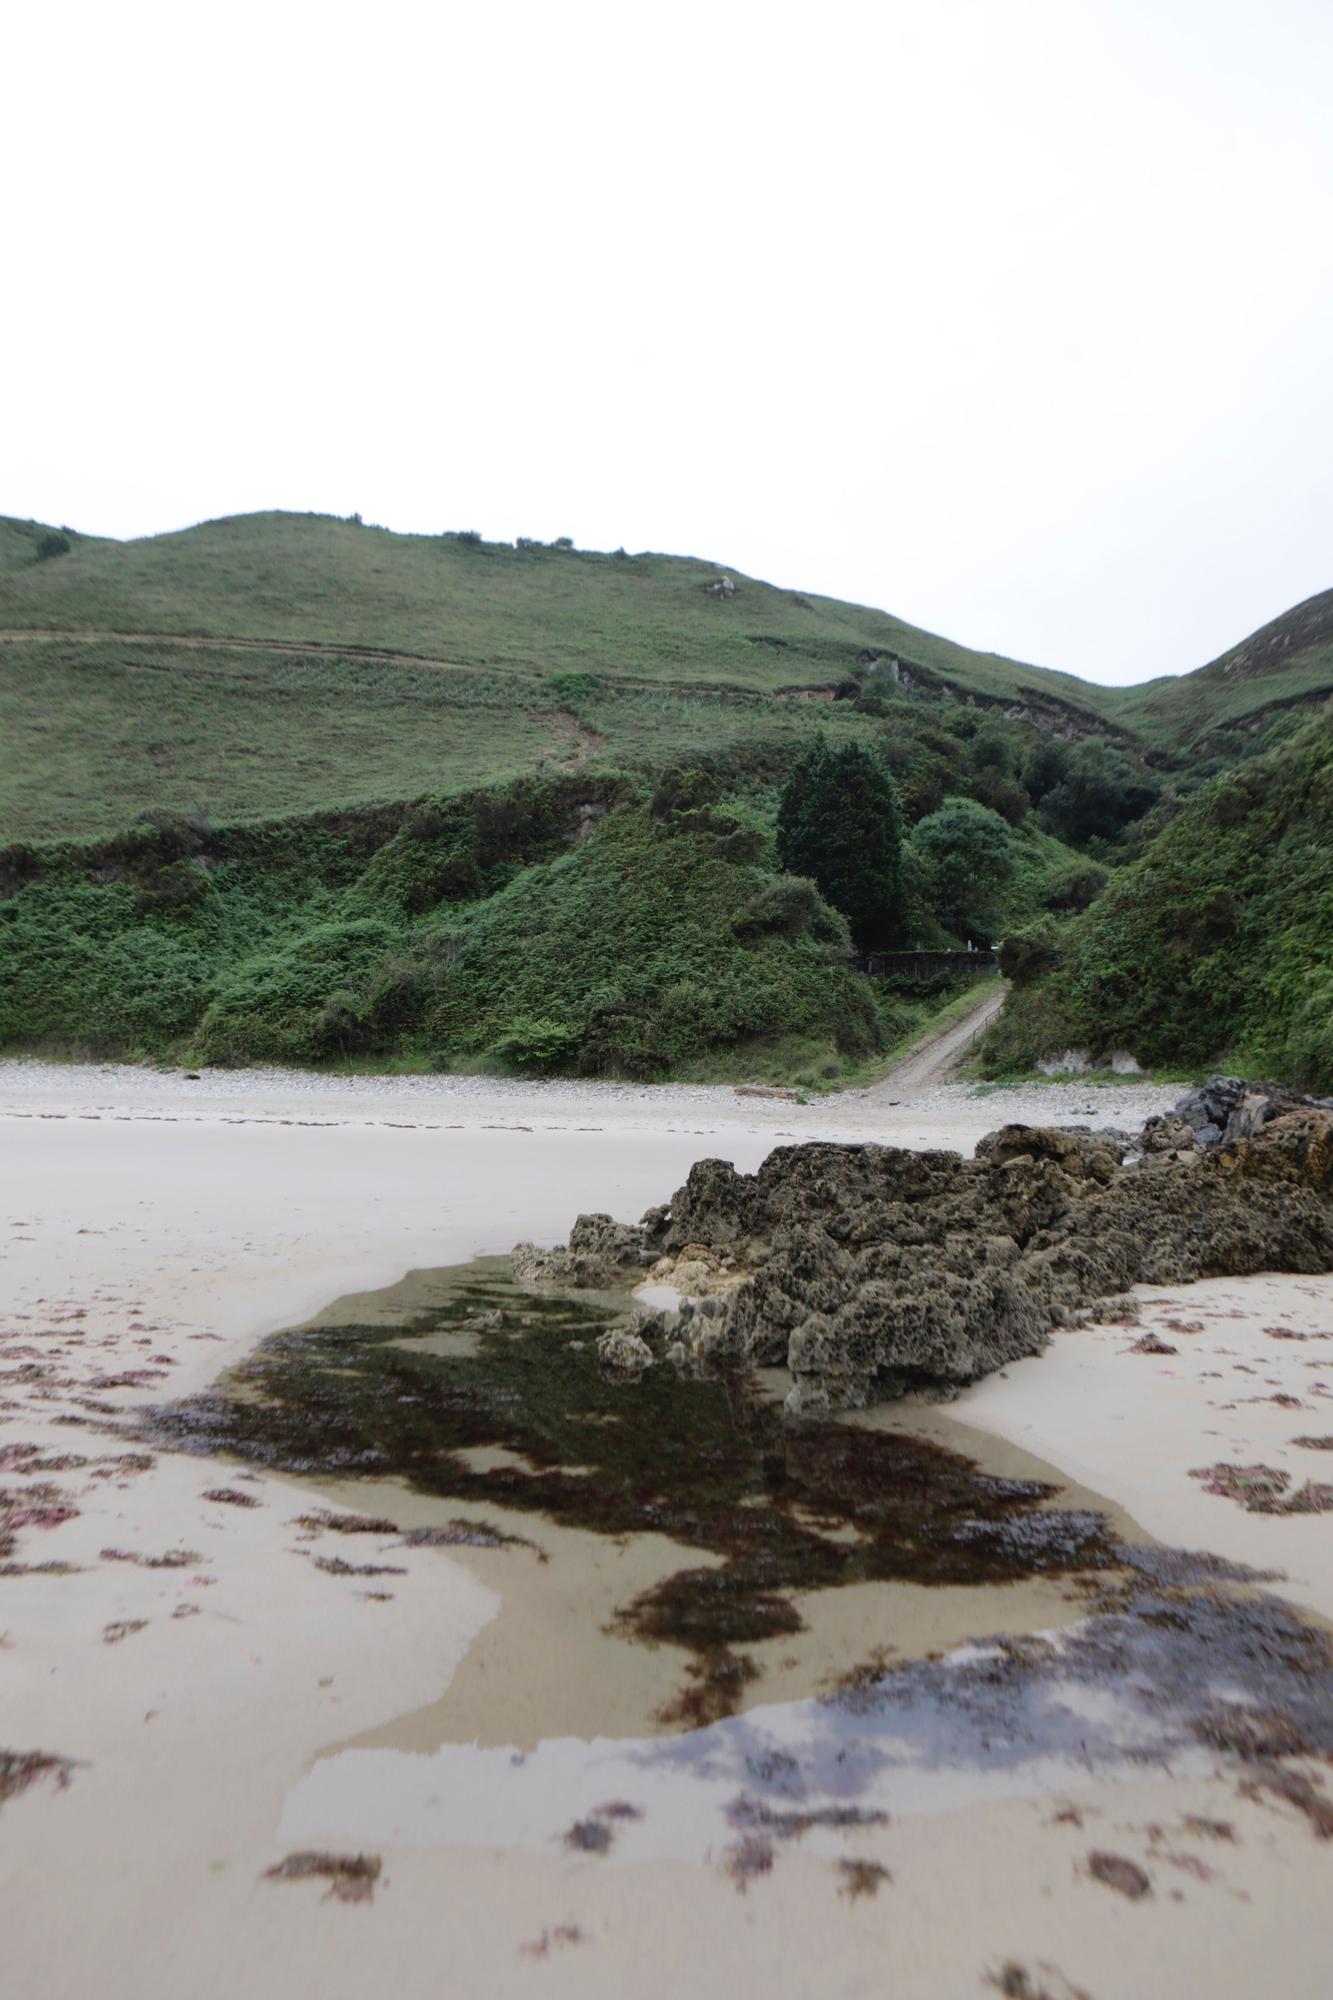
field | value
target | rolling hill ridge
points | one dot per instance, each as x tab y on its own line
277	662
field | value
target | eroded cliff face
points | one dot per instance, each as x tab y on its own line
869	1271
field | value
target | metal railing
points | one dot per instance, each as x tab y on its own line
928	964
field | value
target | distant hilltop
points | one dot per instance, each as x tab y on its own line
327	585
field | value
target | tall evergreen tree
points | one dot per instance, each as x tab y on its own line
839	823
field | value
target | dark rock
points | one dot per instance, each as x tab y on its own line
1168	1134
1118	1873
874	1271
1227	1107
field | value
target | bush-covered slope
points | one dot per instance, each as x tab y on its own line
1215	947
563	925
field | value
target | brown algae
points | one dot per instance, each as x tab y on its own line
492	1395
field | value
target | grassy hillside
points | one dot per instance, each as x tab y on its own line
322	792
279	662
1216	947
26	544
1287	661
312	580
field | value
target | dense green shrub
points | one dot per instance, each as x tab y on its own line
275	1007
655	950
1216	945
1076	886
1045	764
537	1044
997	747
1098	794
80	968
790	906
1027	954
1003	794
570	689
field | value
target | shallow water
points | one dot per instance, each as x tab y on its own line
460	1387
734	1630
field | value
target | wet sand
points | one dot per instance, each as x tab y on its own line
162	1247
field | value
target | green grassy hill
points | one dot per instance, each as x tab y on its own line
1286	662
314	581
24	545
280	662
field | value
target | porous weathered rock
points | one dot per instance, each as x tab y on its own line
871	1270
1169	1134
623	1353
598	1253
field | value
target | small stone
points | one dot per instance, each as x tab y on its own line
1118	1873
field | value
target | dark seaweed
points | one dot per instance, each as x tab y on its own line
706	1461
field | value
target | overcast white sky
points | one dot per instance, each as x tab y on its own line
1012	316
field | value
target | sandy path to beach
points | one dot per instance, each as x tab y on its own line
155	1237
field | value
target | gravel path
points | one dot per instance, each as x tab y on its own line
935	1059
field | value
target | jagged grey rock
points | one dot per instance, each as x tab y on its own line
873	1270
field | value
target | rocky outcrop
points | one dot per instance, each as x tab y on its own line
599	1253
1227	1107
869	1270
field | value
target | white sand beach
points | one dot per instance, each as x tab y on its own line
212	1707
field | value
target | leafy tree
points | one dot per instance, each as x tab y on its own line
839	823
1002	794
995	748
1029	954
1099	793
1045	766
963	856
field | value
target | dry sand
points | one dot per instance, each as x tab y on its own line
154	1223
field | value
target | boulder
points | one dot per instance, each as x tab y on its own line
1227	1107
623	1353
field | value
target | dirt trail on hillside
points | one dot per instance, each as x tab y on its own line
198	643
934	1060
325	649
587	742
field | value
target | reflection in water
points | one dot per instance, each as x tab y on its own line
1170	1671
